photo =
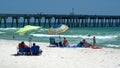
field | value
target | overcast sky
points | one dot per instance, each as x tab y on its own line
91	7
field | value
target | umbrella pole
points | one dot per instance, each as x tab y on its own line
59	37
30	41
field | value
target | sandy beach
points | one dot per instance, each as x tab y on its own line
58	57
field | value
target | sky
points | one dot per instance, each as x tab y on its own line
87	7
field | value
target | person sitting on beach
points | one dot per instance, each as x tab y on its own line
65	42
19	46
23	48
85	43
23	45
35	49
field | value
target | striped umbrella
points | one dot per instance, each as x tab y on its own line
58	29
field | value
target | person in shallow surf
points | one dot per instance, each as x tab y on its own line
94	40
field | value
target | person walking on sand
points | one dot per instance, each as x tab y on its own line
94	40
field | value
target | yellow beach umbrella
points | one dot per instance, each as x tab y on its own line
27	28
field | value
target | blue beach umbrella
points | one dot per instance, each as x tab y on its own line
58	29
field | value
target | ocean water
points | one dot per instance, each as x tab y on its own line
105	36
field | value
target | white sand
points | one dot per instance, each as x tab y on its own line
59	57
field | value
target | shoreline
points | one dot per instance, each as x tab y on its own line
112	47
58	57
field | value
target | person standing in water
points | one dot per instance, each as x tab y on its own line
94	40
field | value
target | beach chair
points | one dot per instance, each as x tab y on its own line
20	51
52	41
23	51
36	50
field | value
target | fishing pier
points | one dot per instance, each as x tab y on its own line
47	20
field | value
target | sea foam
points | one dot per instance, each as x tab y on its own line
75	36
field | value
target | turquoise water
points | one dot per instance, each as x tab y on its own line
106	36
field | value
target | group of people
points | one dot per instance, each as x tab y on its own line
35	49
53	42
24	49
85	44
82	43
